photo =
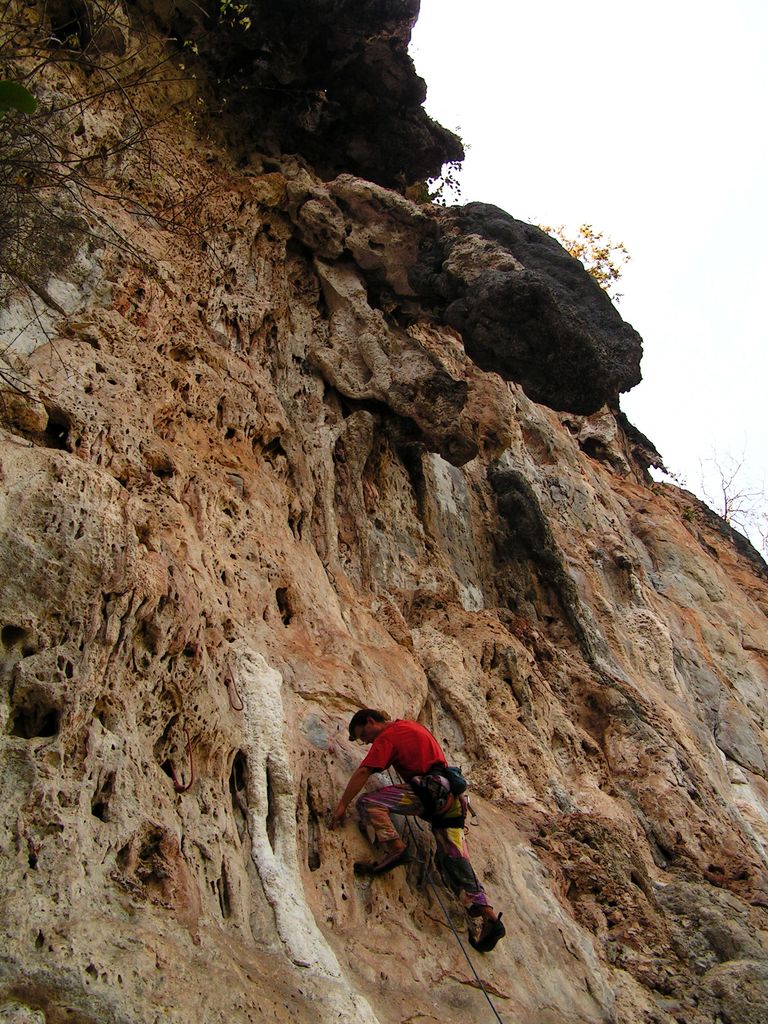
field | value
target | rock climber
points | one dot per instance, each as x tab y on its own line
415	754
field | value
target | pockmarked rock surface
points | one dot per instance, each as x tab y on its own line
253	478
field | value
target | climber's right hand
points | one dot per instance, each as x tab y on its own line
338	815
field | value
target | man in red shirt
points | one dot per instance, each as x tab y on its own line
415	754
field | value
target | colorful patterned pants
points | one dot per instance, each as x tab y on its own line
452	858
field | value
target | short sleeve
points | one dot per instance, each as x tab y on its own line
380	755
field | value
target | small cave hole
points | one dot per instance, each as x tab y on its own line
284	605
274	450
35	719
596	450
271	808
12	635
56	433
238	777
238	781
70	25
99	809
296	524
162	468
222	888
39	940
100	800
180	354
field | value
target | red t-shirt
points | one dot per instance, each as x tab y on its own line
406	746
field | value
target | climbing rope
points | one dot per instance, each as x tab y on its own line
430	882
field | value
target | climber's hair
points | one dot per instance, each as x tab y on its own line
361	717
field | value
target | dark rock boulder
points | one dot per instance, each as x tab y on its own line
329	80
528	310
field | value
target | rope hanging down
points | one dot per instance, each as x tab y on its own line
430	882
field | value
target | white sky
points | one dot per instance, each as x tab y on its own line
647	120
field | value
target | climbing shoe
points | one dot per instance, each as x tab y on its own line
489	935
365	867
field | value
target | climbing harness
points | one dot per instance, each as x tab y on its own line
430	882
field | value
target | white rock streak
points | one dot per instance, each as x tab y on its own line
271	797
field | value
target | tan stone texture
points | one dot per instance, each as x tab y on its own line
250	485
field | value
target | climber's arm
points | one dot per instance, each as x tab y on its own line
356	782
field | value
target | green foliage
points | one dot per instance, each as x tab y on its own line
235	14
603	258
14	96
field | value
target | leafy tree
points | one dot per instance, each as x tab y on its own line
603	258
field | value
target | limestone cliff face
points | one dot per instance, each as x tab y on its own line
255	475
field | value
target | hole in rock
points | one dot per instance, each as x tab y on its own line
12	635
296	523
100	799
239	774
181	354
313	831
284	605
150	635
273	451
238	781
271	808
35	719
70	25
56	433
595	449
161	467
222	888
